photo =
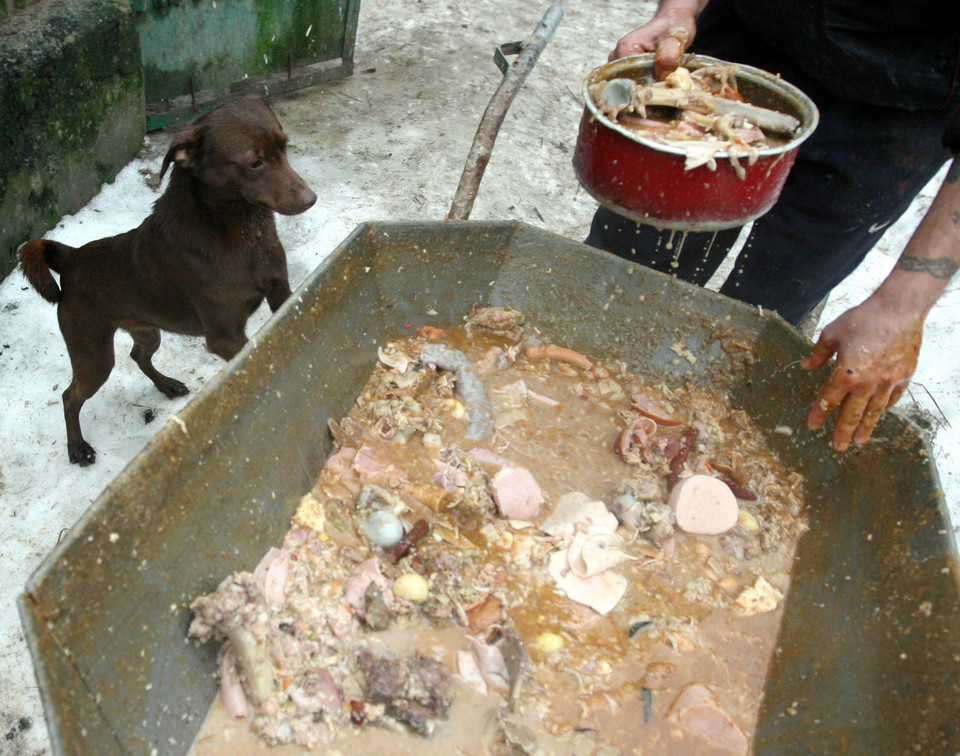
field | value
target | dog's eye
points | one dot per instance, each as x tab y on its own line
255	164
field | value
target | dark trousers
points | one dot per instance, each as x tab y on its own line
854	176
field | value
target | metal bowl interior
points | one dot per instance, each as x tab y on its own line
757	86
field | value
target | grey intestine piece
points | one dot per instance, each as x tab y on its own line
469	387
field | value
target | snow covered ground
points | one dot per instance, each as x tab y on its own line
389	143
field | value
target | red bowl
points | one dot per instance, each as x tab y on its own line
647	181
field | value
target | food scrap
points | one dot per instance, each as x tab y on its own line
513	548
700	111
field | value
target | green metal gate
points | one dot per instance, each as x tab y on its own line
197	53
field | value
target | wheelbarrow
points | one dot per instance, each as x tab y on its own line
866	659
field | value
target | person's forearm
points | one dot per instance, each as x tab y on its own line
877	343
695	5
680	12
931	256
683	6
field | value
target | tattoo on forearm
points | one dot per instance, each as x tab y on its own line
942	267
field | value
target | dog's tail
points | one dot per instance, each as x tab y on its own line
37	259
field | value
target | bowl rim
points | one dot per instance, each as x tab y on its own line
810	114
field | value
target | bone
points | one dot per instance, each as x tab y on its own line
701	102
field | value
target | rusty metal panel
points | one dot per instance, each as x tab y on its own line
866	656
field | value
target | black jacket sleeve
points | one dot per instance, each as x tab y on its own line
951	137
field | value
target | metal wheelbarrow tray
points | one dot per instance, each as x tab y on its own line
867	656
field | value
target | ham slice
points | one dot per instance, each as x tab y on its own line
491	663
341	461
704	505
600	592
363	575
234	700
368	462
271	575
591	548
469	671
517	493
589	555
697	712
315	691
577	512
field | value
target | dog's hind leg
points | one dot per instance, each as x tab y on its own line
78	450
91	356
146	341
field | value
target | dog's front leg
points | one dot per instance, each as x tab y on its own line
277	293
225	344
224	324
146	341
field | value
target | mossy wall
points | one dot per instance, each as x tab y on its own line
195	45
74	73
71	110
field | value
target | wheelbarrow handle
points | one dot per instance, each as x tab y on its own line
513	77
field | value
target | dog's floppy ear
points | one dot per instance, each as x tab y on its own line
185	150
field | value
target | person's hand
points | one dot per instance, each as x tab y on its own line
876	351
667	34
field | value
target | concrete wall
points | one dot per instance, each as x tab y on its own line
71	109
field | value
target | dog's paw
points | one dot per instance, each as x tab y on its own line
81	453
171	387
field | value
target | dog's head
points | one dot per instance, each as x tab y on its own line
239	150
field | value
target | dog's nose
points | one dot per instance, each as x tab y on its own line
307	198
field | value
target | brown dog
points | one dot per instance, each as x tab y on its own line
200	264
